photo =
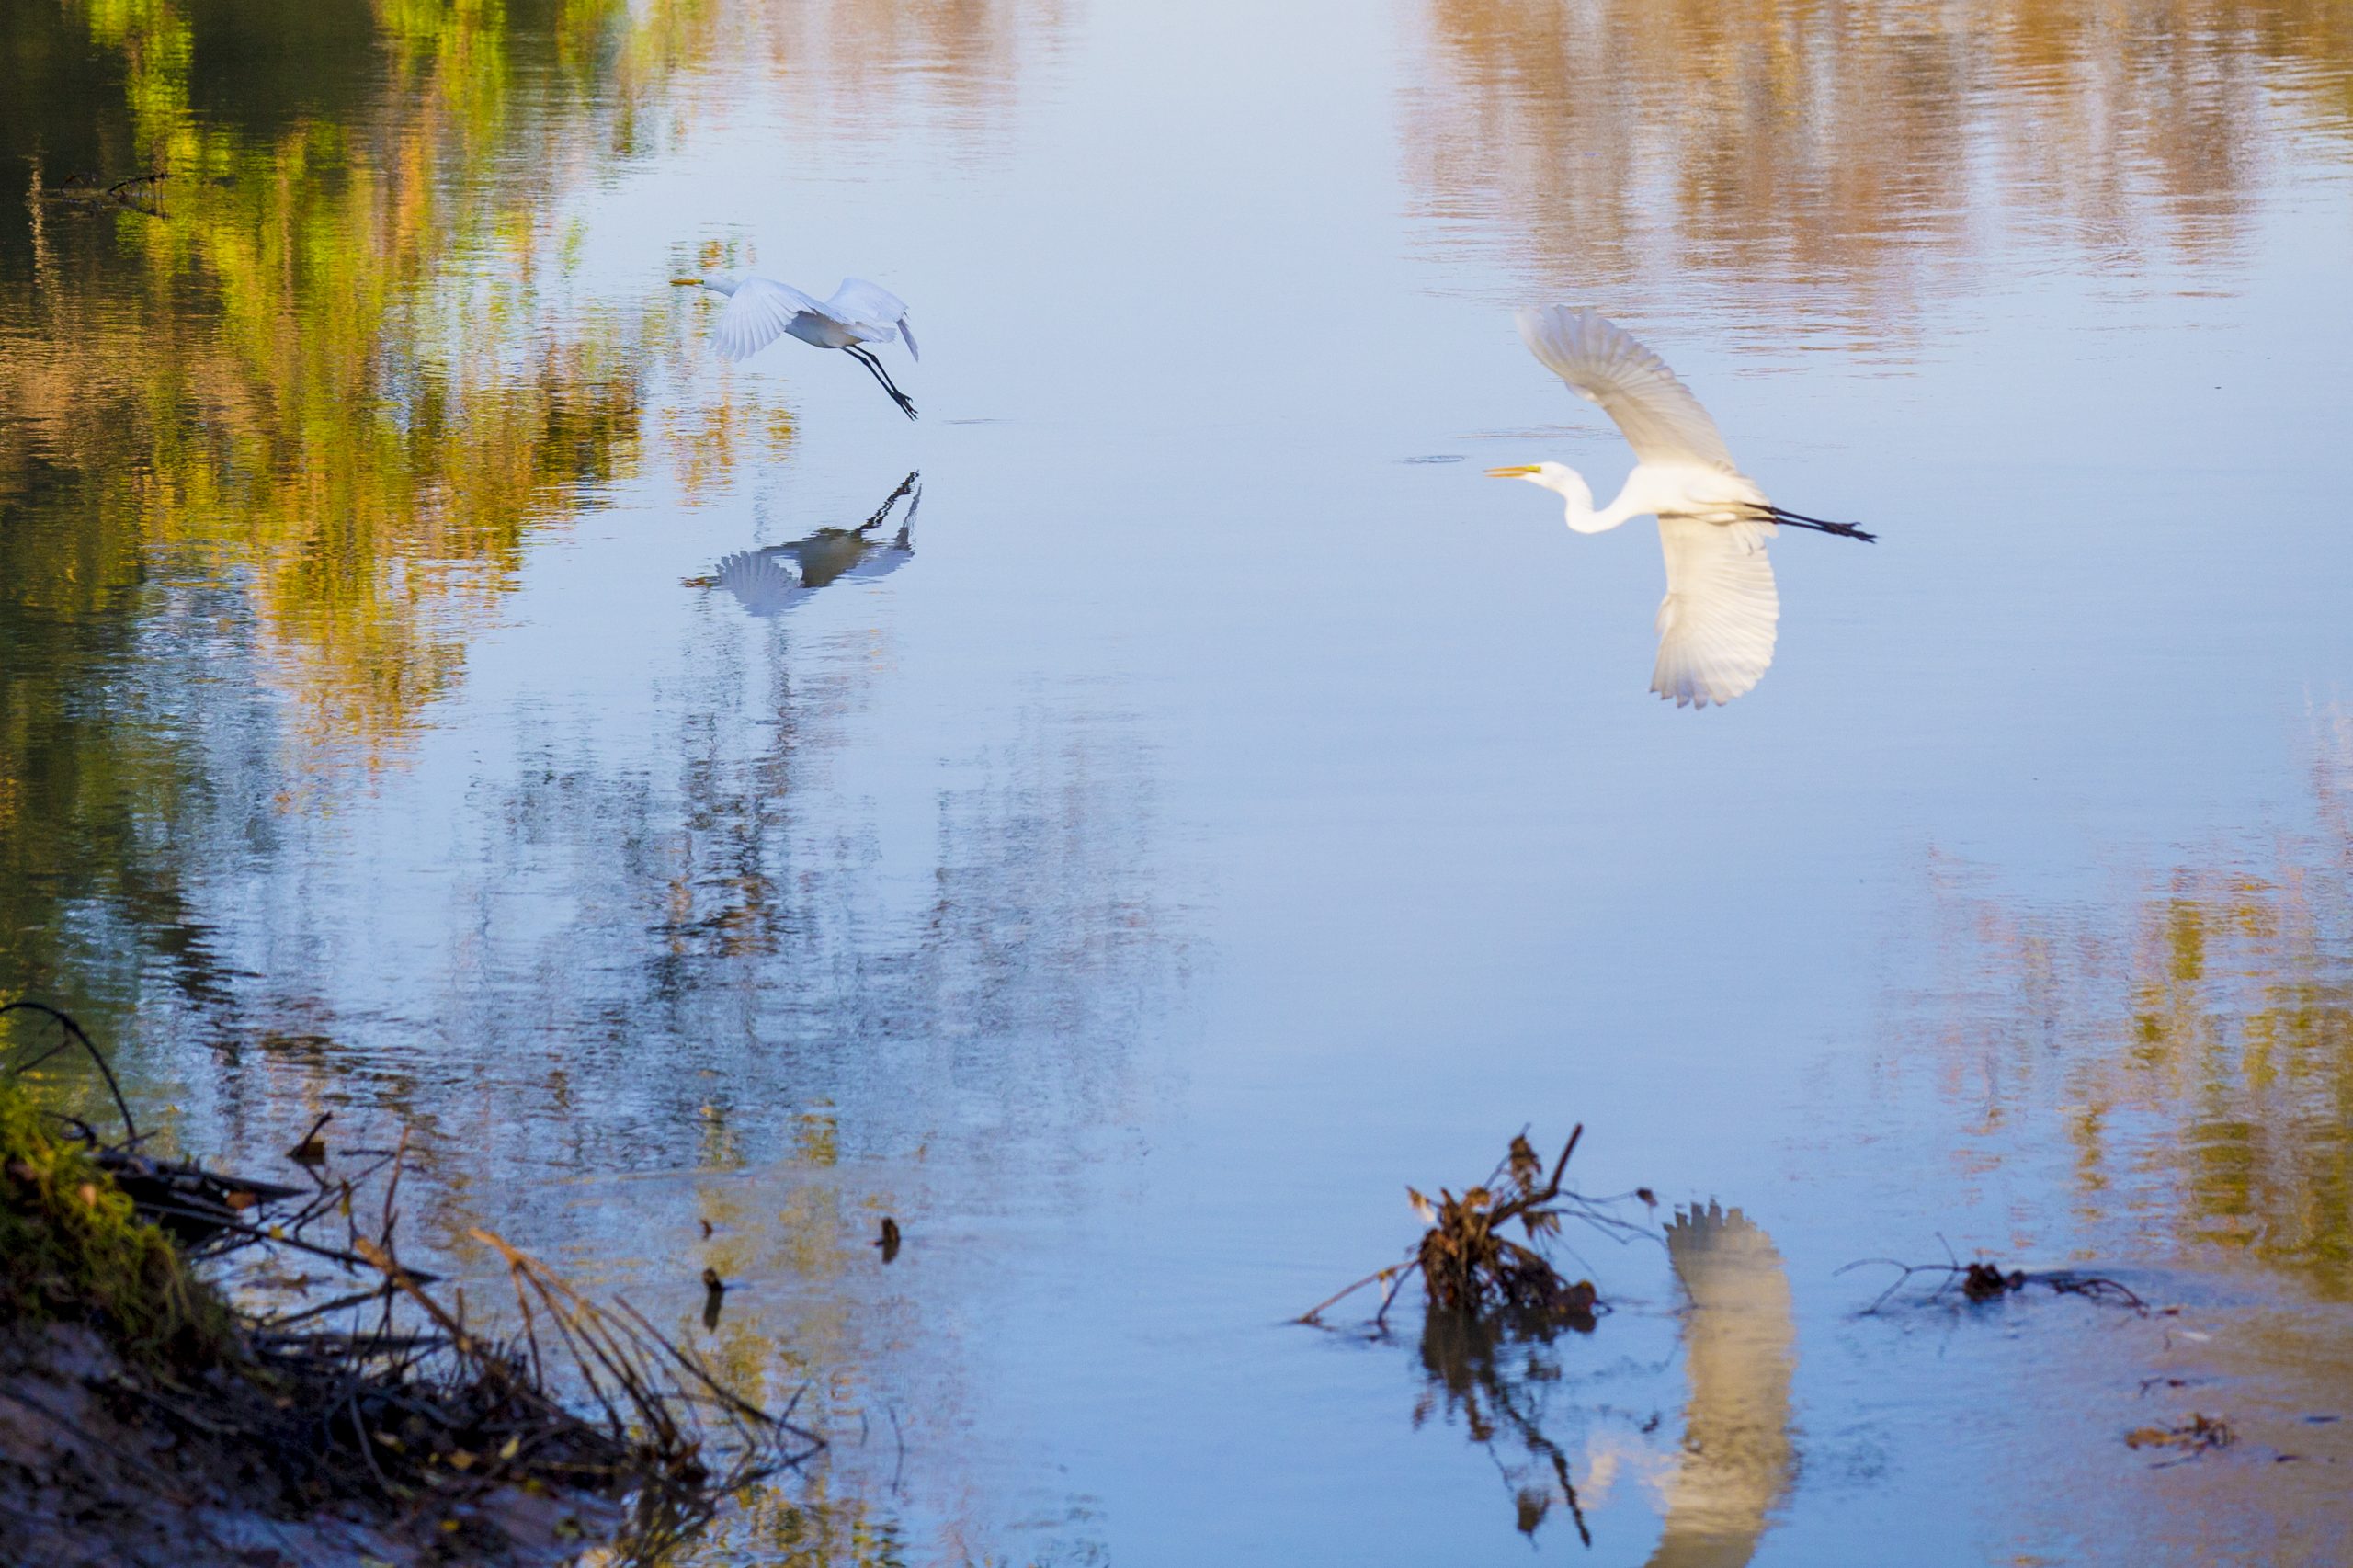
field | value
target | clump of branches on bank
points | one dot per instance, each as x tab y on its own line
377	1424
1469	1262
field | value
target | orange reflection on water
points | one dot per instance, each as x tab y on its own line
2196	1035
1846	156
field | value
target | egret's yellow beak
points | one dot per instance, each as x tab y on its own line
1517	470
685	282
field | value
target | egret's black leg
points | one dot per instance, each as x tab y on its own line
1799	520
883	376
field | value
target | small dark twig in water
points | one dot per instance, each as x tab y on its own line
714	1297
137	193
311	1149
1986	1281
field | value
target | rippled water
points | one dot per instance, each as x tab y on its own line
1220	806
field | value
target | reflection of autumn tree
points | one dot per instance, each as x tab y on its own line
855	70
264	392
2203	1038
292	435
1795	142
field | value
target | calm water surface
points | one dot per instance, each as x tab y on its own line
1220	806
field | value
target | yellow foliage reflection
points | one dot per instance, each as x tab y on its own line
2199	1041
1796	143
259	385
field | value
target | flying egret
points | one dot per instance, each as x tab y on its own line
768	581
1716	624
760	310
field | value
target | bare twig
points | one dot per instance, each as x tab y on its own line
75	1035
1985	1281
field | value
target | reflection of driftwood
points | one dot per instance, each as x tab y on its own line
1984	1281
1462	1354
138	193
1468	1264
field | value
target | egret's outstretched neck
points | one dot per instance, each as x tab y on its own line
1572	488
722	285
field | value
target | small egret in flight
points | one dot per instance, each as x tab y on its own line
761	310
1716	626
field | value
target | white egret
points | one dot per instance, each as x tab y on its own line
1717	623
760	310
768	581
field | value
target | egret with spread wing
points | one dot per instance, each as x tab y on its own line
1717	624
760	310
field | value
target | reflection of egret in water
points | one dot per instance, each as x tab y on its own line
1717	623
1464	1356
773	579
1738	1348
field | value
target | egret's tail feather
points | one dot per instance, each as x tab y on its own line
1799	520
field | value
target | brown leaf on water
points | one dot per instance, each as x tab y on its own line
2196	1435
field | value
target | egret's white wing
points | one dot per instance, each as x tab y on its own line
873	306
1717	623
1603	364
1738	1351
756	315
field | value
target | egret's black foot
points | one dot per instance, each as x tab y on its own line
908	408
